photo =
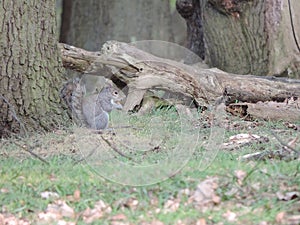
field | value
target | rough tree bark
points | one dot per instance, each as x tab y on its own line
30	67
190	10
142	71
250	36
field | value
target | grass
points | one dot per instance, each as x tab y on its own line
25	180
254	199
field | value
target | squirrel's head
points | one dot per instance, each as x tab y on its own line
114	95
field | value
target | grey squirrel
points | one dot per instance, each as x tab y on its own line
91	110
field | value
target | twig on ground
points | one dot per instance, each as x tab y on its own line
113	147
285	145
32	153
84	158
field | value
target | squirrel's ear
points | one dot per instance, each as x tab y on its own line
108	83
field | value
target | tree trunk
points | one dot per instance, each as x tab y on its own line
30	67
190	10
88	24
251	36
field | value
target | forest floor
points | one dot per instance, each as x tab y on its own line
76	176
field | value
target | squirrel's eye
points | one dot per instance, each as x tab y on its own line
115	92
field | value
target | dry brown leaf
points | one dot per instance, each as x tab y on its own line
90	215
293	142
240	175
59	209
242	139
263	223
201	221
4	190
205	193
100	208
230	216
184	192
216	199
52	177
154	201
294	219
154	222
76	195
120	223
118	217
131	203
157	210
292	126
180	222
63	222
171	205
9	219
49	194
49	216
280	217
2	219
288	196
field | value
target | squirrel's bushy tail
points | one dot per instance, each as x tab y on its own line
72	94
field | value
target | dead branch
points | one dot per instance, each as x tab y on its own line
142	71
25	148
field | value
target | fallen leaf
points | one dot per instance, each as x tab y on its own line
4	190
171	205
90	215
100	208
2	219
205	193
61	208
62	222
294	219
49	194
216	199
49	216
9	219
184	192
52	177
293	142
230	216
280	217
154	222
131	203
76	195
263	223
119	223
242	139
240	175
288	196
118	217
201	221
154	201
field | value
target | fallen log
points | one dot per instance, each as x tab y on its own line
287	111
141	71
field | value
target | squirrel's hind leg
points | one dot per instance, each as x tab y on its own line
101	121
